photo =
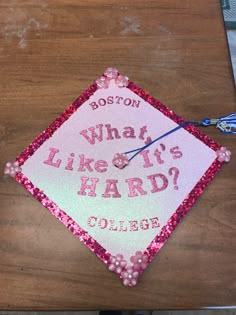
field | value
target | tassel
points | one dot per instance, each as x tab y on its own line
226	124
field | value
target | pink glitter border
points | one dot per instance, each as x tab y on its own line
174	220
84	237
188	202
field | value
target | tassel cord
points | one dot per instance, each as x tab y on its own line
138	150
226	125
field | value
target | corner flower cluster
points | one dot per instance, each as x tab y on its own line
130	277
139	261
117	263
128	274
223	154
112	74
12	168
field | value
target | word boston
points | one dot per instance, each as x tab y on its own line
119	100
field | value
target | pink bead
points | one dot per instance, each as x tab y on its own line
139	261
120	160
102	82
223	154
117	263
122	81
12	168
111	73
129	277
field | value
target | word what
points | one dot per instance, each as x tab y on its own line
102	132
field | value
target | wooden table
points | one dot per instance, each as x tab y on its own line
50	51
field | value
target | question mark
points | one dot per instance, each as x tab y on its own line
174	170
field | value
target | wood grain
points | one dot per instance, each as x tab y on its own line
50	51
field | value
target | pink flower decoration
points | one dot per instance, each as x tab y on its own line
111	73
139	261
117	263
120	160
129	277
12	168
223	154
122	81
102	82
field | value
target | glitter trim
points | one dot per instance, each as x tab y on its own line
182	210
83	235
188	202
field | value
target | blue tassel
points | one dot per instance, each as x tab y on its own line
226	124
